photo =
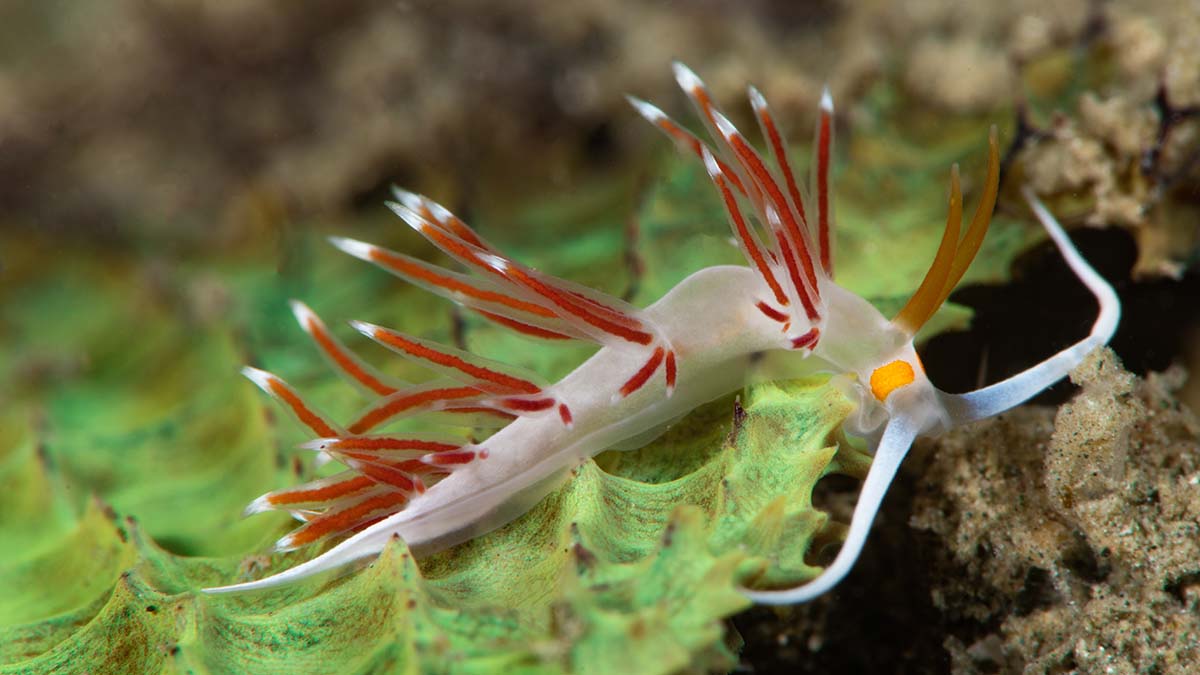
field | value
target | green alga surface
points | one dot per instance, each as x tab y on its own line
630	570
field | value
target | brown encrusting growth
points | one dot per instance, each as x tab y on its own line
1072	539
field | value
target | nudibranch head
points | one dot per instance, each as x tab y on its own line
696	343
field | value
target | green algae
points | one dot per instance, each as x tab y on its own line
608	573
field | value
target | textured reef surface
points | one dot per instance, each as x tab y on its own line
1094	569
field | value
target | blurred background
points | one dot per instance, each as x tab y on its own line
168	169
198	123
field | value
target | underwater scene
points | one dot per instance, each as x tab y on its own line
609	336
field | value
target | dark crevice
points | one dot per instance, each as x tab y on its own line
1036	593
1177	587
1084	562
1067	665
1045	308
885	602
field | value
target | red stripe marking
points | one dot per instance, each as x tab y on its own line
391	407
403	266
743	233
463	231
343	360
390	443
809	339
700	94
611	313
415	466
478	372
480	410
527	329
733	177
382	474
772	313
514	273
756	167
527	405
823	192
459	250
789	261
780	151
629	334
643	374
310	418
451	458
697	147
332	523
455	225
670	371
564	413
365	524
320	494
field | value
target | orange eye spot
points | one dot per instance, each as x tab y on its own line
890	377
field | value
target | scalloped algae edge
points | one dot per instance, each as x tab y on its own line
607	570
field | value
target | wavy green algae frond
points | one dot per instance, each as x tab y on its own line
628	571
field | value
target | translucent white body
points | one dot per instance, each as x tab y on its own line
527	457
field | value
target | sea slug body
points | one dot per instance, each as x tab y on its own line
655	364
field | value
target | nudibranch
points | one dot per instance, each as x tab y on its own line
654	365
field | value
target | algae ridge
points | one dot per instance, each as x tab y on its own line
615	571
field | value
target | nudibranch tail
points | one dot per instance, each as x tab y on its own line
363	537
953	256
